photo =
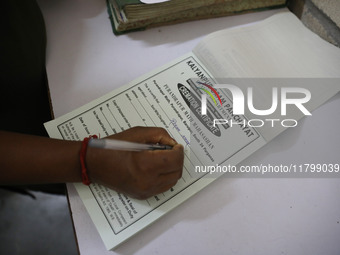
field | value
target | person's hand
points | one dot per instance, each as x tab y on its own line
137	174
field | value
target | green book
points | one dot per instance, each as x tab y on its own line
131	15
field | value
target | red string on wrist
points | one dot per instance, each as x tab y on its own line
84	176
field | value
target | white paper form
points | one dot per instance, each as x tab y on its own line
157	99
161	98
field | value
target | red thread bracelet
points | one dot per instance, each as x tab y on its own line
83	150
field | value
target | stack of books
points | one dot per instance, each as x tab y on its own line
132	15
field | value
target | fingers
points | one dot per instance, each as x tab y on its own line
146	135
161	161
158	135
139	174
171	160
157	171
162	184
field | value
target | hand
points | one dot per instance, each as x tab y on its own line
137	174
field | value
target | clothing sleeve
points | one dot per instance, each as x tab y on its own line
24	101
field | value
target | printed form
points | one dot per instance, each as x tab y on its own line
161	99
170	97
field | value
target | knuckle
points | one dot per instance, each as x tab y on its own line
161	131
